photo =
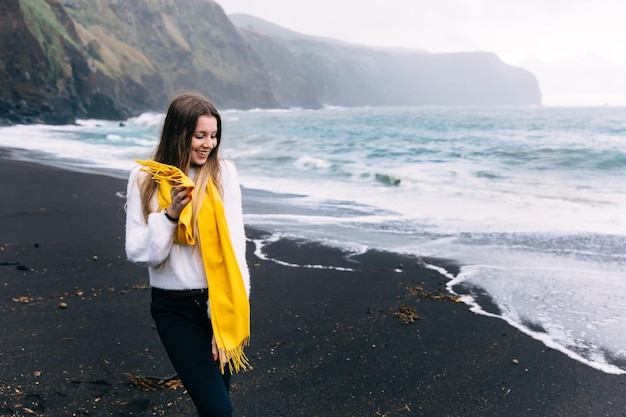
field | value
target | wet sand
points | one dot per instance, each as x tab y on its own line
329	341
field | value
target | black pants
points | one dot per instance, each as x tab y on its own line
185	330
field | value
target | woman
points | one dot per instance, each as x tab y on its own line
184	221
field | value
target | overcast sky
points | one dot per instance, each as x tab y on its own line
574	47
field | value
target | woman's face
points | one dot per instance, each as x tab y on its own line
204	140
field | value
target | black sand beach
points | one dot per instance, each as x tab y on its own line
76	328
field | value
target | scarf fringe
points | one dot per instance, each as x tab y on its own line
164	173
238	360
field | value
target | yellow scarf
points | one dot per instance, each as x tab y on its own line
228	301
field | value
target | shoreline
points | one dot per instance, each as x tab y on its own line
325	341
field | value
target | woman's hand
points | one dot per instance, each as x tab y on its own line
181	196
215	351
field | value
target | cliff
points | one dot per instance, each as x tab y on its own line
112	59
307	70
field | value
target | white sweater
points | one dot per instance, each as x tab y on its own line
172	266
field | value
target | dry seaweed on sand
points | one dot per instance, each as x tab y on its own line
154	383
420	292
407	314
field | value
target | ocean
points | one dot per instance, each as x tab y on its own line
529	201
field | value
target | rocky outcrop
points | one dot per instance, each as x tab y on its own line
32	88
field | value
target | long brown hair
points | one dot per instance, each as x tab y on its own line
174	148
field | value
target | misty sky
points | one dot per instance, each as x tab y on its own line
574	47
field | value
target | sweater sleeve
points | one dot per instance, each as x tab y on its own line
146	243
234	218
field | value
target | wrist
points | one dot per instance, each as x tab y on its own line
170	218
